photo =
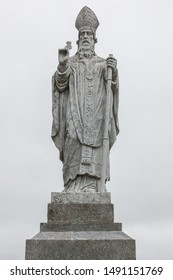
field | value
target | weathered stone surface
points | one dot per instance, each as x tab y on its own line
85	97
85	114
83	197
82	235
80	213
81	227
80	246
79	231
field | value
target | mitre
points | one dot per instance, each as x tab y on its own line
86	19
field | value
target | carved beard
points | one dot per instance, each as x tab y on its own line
86	52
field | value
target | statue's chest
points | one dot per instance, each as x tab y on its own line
87	96
89	70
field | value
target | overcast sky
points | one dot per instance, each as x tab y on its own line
139	34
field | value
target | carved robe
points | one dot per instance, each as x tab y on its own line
79	98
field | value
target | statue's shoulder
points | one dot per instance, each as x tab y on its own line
99	59
73	58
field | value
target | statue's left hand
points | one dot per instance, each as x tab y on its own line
112	62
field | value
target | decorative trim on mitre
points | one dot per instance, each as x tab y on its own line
86	19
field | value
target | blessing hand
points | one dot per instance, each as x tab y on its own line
63	58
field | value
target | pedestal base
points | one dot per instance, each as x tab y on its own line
80	229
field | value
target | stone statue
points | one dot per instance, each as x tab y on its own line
80	220
85	110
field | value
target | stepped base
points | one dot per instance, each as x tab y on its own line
80	227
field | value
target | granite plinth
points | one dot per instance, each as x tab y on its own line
80	230
81	246
78	198
80	227
80	213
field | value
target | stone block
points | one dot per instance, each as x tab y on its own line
77	230
80	213
100	245
85	198
80	227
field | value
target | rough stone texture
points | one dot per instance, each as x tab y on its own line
84	198
85	91
80	213
85	97
81	246
79	231
80	227
82	235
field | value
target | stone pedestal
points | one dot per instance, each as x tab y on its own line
80	226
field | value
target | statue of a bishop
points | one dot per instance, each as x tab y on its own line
85	110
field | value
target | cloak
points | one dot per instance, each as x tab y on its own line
78	108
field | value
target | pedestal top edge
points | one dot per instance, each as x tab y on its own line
81	198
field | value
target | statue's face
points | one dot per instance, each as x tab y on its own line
86	38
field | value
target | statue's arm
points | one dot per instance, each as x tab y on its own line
63	70
115	81
62	78
112	62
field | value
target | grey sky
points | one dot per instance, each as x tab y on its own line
139	34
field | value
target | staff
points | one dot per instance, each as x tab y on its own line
106	127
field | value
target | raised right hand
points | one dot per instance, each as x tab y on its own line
63	58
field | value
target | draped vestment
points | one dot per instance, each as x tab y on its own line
79	98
